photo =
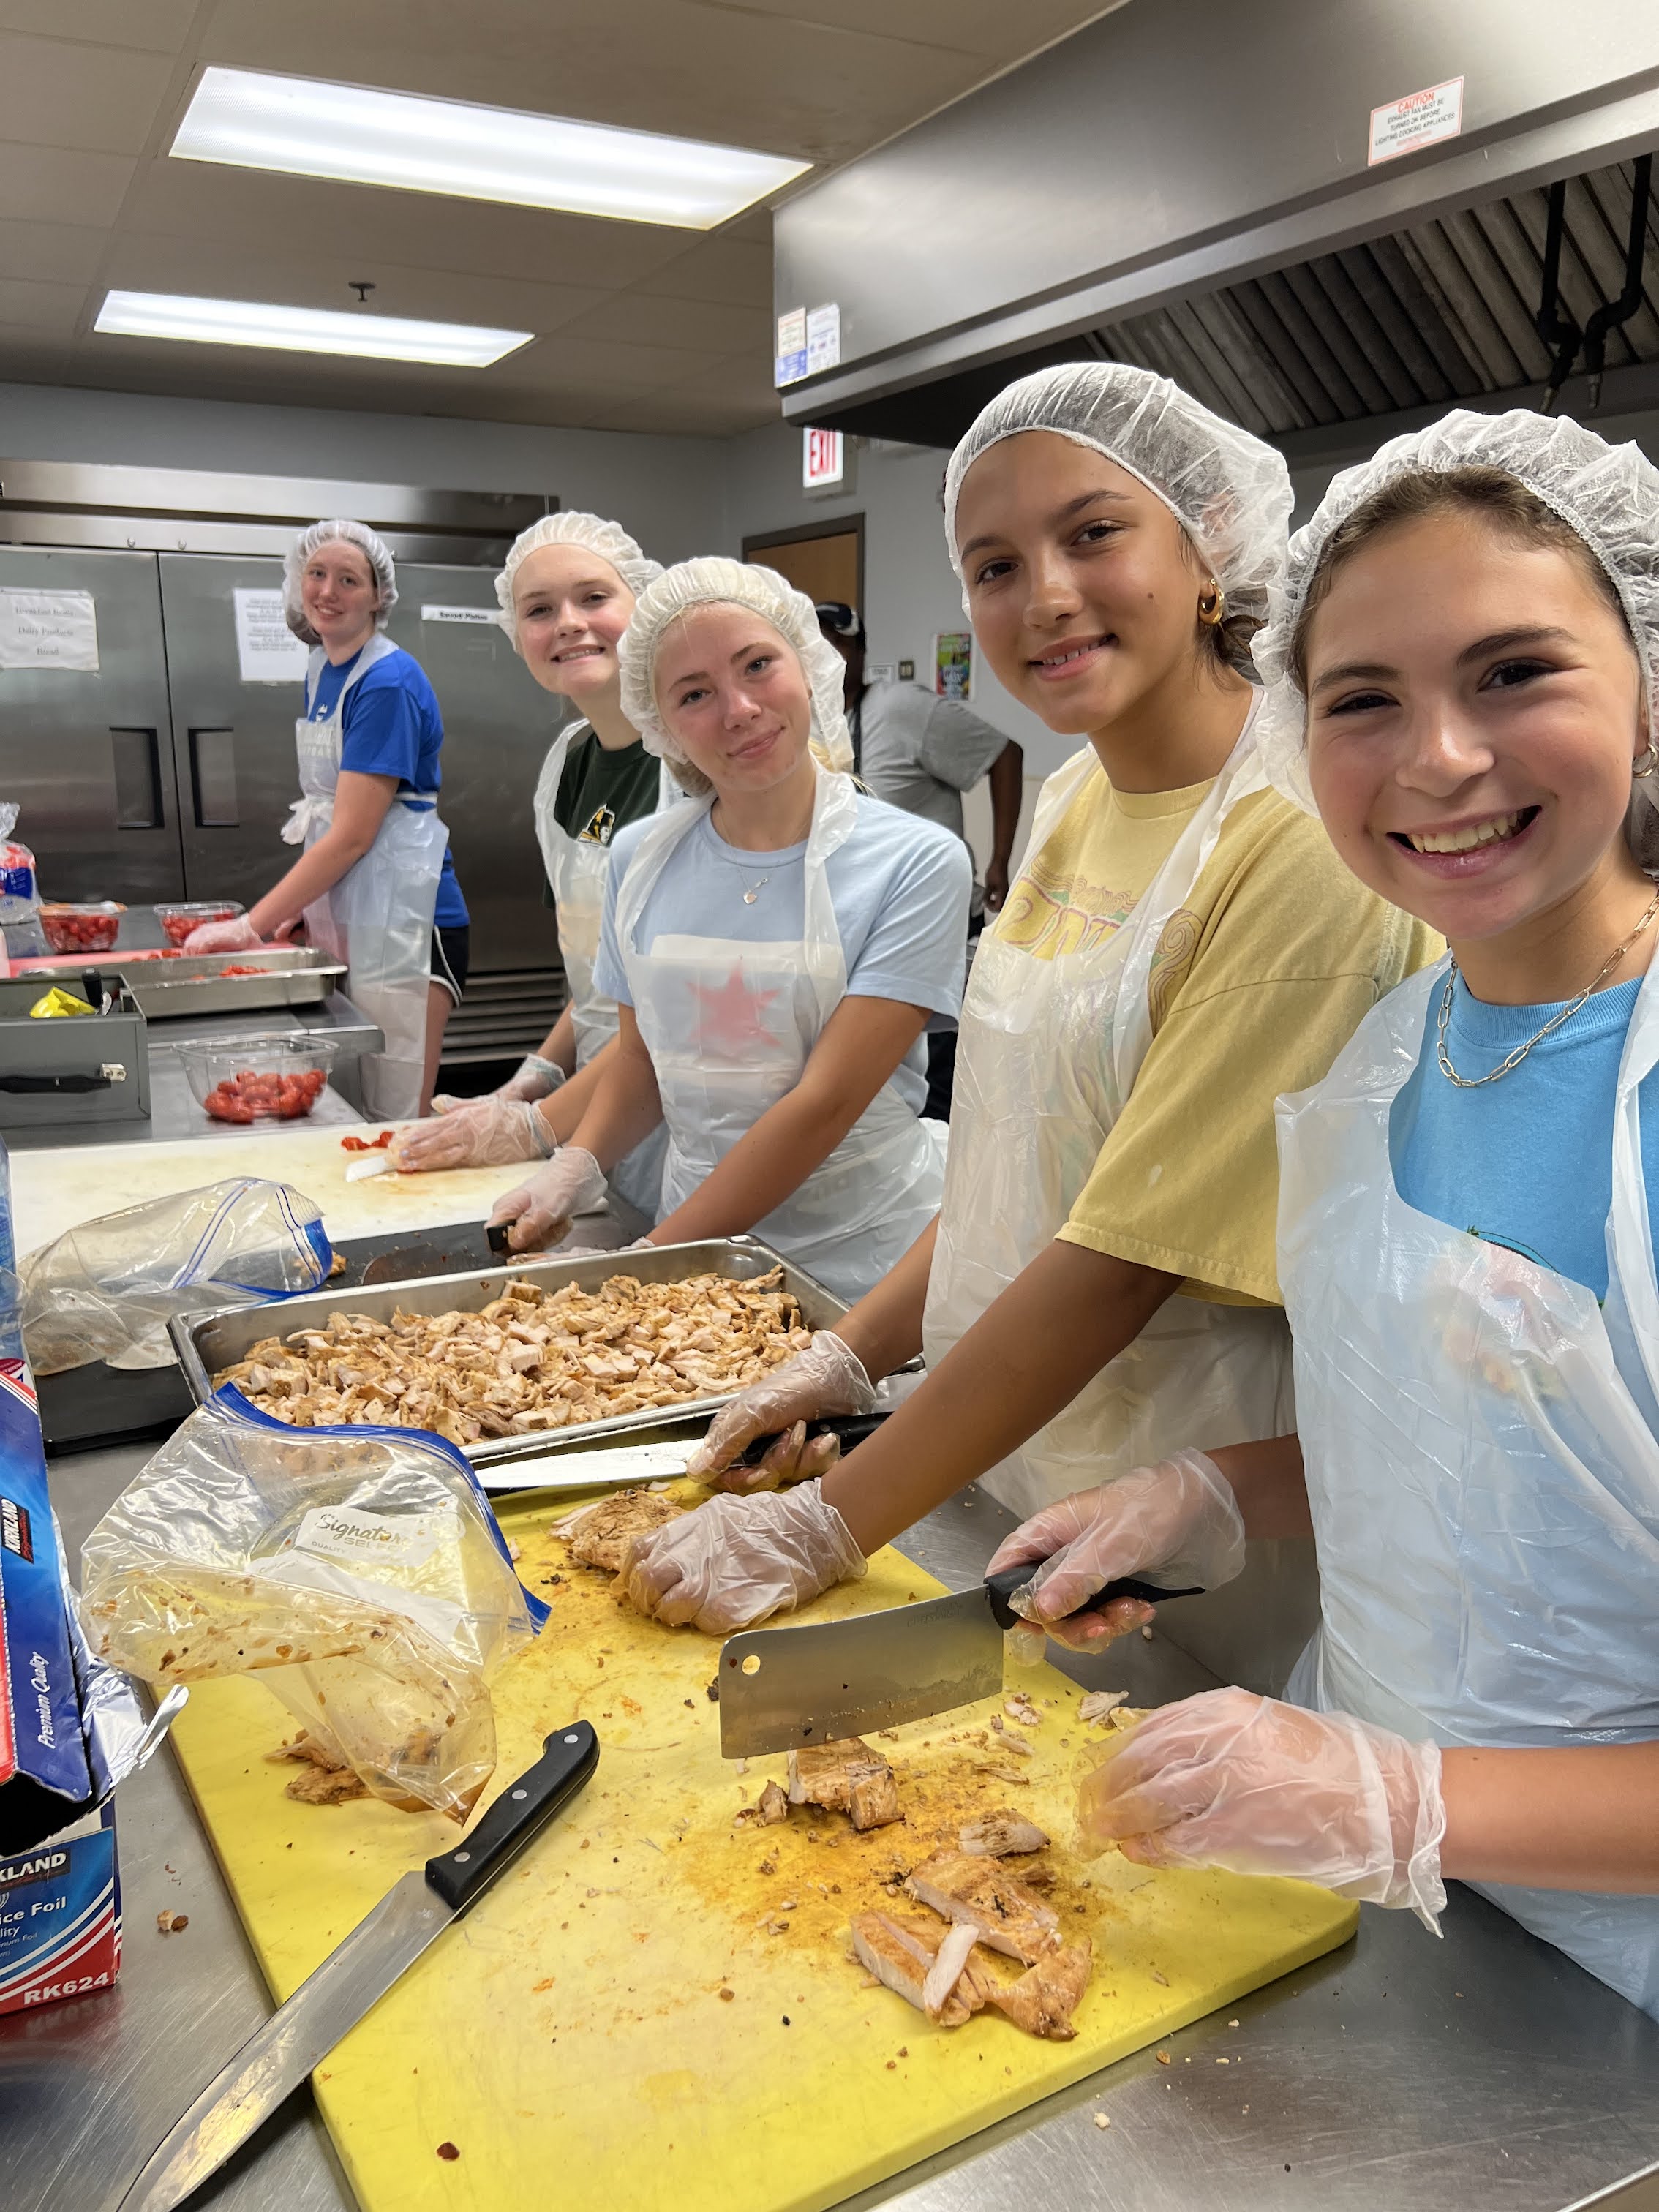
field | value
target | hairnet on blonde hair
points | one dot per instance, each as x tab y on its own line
339	532
1608	495
1229	491
716	582
609	540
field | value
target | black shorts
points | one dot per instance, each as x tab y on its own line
451	957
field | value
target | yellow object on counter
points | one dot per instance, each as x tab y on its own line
655	2004
56	1003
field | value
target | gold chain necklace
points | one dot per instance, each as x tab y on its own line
1475	1082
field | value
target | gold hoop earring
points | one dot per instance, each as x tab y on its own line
1214	612
1645	764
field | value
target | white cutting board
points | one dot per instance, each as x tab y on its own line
52	1191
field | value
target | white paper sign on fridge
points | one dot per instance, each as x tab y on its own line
267	650
48	629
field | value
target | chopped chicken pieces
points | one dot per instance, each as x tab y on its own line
1001	1835
846	1776
1009	1919
773	1805
1019	1707
322	1779
945	1973
1099	1705
900	1954
530	1359
1045	1997
600	1536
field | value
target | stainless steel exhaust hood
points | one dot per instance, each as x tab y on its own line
1190	188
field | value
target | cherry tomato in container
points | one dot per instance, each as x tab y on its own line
264	1078
69	928
178	921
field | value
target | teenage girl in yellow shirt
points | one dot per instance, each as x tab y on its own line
1180	945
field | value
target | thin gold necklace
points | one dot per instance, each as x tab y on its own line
1475	1082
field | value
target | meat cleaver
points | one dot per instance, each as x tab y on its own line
781	1688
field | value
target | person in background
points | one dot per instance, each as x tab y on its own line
1180	945
921	753
1468	657
774	947
566	593
376	886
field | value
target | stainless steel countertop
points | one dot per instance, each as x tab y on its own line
1482	2074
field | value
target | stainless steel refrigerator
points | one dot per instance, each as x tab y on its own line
164	773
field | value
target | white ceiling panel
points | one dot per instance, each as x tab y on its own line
55	252
40	308
159	26
96	98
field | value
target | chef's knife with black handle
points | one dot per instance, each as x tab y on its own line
329	2003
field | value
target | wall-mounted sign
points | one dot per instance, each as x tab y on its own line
267	650
790	365
1421	118
823	339
953	664
459	615
821	459
48	629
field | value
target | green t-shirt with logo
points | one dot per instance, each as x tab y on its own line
600	792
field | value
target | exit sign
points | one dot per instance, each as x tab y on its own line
821	459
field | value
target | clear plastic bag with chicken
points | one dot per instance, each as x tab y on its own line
359	1572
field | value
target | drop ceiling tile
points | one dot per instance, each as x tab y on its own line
56	252
46	184
604	367
641	319
412	230
156	26
95	98
53	308
32	357
734	272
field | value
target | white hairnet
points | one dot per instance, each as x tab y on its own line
340	532
608	539
715	583
1229	491
1608	494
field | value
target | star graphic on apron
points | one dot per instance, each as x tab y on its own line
729	1013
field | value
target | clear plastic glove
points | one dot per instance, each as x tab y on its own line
486	1133
238	935
827	1377
535	1077
1229	1779
737	1560
1176	1522
543	1209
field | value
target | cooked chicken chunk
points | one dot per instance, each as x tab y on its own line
901	1954
773	1805
845	1777
599	1535
1045	1997
529	1361
323	1779
1001	1835
976	1890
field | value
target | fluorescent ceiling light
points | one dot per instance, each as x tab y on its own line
312	129
303	330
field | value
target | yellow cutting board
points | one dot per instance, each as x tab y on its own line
655	2007
57	1189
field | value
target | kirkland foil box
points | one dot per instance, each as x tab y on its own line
70	1729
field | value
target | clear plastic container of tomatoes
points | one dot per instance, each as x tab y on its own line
68	927
178	921
259	1078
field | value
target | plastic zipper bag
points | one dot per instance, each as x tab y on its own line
359	1572
108	1289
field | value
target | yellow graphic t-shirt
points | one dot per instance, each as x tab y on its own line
1102	854
1258	980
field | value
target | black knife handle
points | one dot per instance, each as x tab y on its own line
1001	1587
852	1429
568	1759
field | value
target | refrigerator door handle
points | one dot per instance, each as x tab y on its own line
213	779
137	757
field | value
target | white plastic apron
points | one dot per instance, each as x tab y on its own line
1481	1460
576	875
378	917
1048	1052
730	1025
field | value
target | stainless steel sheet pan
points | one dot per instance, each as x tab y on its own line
208	1343
288	976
